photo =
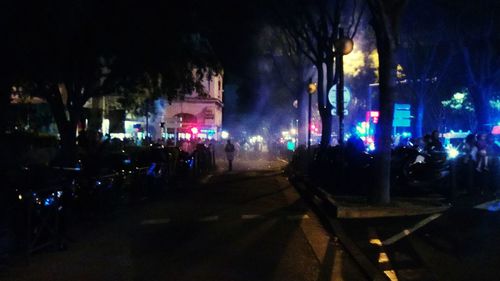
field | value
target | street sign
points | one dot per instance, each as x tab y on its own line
402	115
332	98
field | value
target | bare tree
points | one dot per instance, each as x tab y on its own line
478	36
312	27
292	70
386	15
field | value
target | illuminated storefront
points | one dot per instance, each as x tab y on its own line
196	116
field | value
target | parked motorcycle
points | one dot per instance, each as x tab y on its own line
414	167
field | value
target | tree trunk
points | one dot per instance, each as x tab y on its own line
385	24
329	84
68	142
302	114
339	61
326	130
383	134
66	124
324	110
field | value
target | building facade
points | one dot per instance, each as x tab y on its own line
196	115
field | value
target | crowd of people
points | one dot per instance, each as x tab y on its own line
481	149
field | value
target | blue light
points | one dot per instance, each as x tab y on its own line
49	201
371	146
190	162
151	169
494	207
98	183
127	161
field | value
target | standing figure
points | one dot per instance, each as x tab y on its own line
482	156
434	143
229	149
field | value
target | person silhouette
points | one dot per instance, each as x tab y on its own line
229	149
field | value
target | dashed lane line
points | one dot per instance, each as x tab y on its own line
155	221
209	218
250	217
298	217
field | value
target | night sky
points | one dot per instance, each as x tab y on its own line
128	28
145	31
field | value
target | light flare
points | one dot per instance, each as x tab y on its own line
354	62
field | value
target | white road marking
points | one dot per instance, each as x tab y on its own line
210	218
155	221
250	217
492	206
297	217
409	231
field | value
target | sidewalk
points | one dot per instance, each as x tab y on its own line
358	207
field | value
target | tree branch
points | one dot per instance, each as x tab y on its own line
358	21
467	62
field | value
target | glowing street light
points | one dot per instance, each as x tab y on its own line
311	89
344	45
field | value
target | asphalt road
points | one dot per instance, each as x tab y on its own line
248	224
462	243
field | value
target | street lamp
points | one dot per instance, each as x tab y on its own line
343	46
311	89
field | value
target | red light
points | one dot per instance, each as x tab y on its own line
194	130
496	130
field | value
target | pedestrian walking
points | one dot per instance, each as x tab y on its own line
229	149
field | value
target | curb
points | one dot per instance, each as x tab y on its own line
358	212
356	207
367	267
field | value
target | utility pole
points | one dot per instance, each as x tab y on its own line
343	46
311	89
